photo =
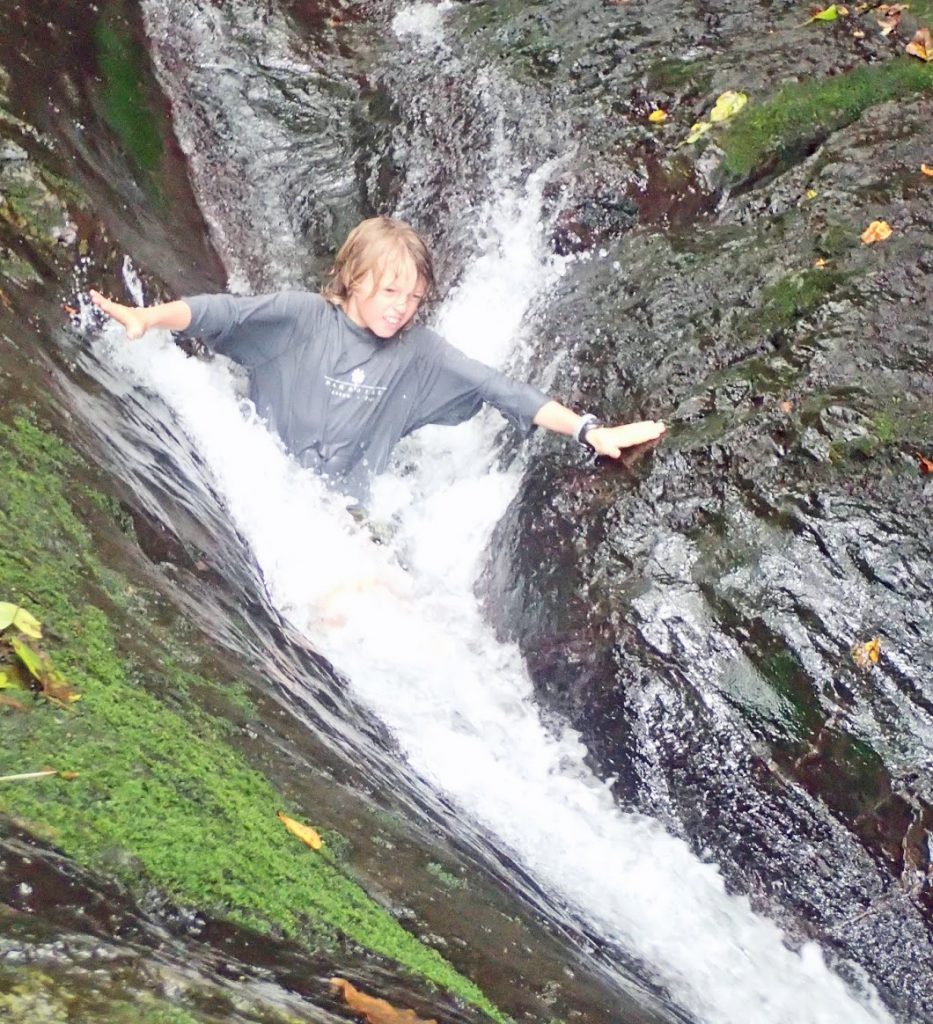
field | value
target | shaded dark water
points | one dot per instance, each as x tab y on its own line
692	615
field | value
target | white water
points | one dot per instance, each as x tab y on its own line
418	653
414	647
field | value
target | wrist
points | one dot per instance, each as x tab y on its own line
587	423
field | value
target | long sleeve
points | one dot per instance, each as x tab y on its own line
454	388
252	330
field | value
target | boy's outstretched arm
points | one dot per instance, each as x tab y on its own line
136	320
604	440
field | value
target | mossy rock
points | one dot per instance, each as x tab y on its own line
161	799
768	136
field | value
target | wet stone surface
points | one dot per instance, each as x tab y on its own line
711	594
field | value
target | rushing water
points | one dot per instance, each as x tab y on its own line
399	619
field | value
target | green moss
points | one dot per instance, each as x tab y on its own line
670	75
885	427
803	113
160	793
15	268
922	11
782	672
126	109
446	878
112	508
64	994
33	211
794	296
834	240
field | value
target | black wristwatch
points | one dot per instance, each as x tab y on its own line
587	423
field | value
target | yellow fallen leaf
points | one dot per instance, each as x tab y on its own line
820	263
927	170
877	231
727	105
697	131
921	45
866	655
43	672
657	116
19	618
373	1010
303	832
812	193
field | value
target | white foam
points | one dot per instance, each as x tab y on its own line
423	21
416	650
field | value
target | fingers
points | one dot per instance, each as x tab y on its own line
610	441
126	316
103	303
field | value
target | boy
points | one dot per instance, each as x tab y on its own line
344	375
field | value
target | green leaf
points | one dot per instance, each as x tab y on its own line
13	615
827	14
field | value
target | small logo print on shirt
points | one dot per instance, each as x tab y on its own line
354	387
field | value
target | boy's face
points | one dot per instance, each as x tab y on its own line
386	300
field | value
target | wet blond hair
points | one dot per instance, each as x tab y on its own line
374	245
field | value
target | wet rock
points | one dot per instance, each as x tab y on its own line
592	222
778	525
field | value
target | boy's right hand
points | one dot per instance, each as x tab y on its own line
133	318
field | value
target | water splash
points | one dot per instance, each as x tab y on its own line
400	620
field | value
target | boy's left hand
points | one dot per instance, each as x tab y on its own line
610	441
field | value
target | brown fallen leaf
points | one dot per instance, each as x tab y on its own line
786	406
303	832
921	45
866	655
926	466
891	16
373	1010
927	170
11	702
877	231
50	683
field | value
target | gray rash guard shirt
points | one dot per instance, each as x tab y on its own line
339	396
